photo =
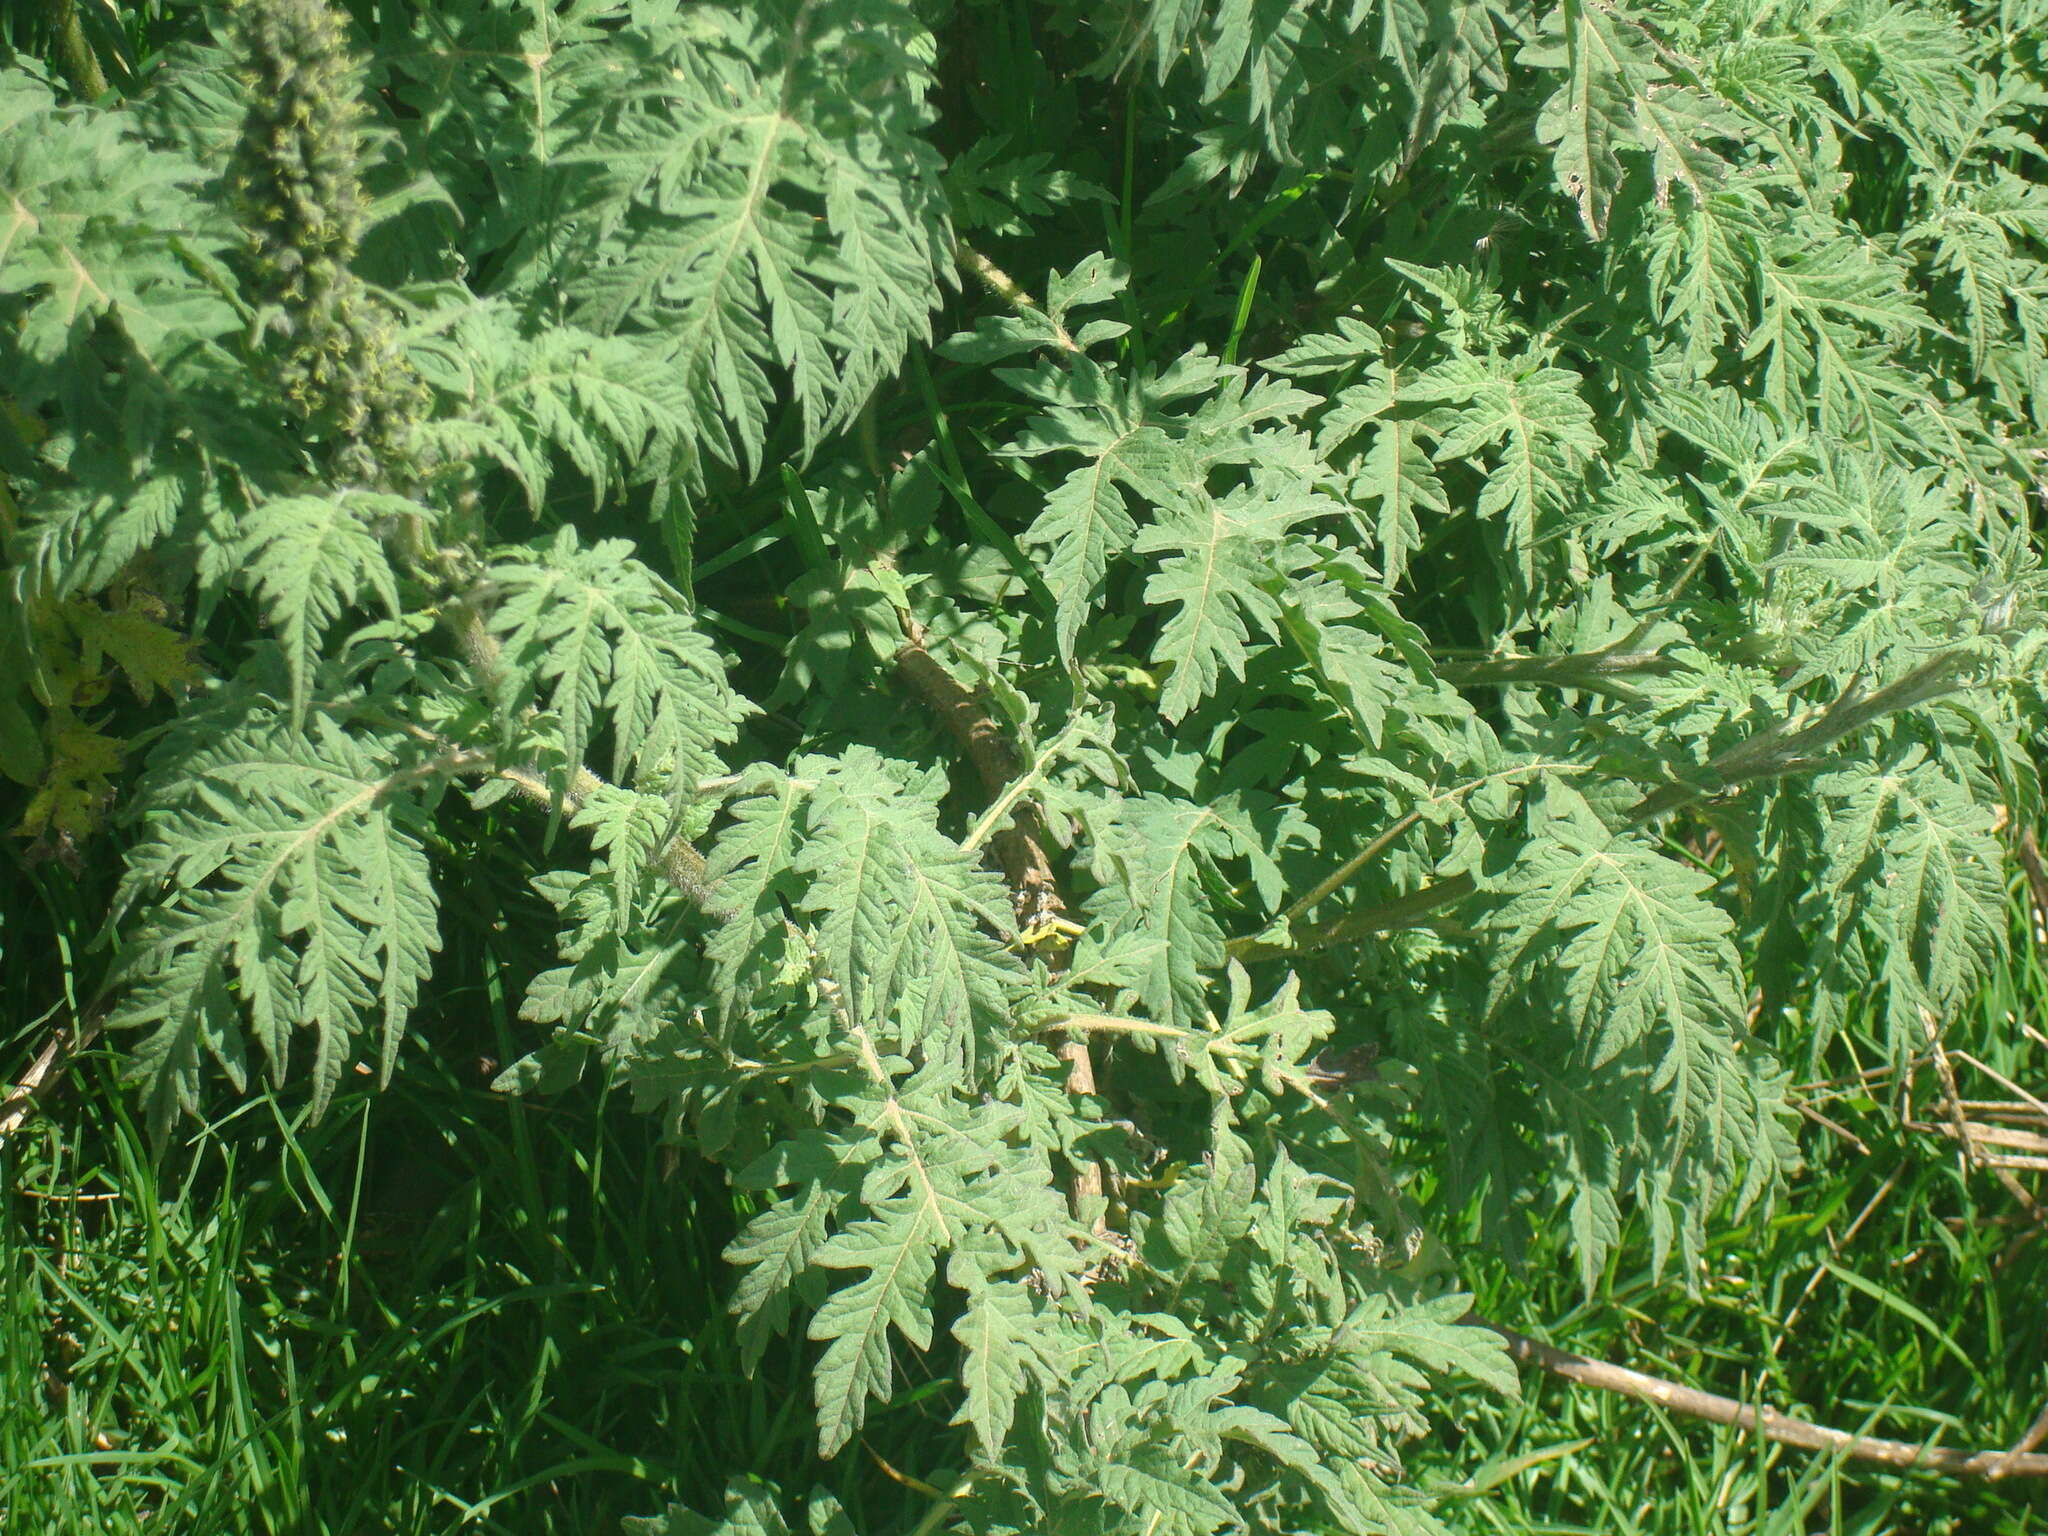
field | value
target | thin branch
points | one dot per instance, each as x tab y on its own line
680	864
2028	849
1006	288
1776	752
1411	911
1594	671
1679	1398
2036	1433
1786	748
1947	1076
1329	885
1768	1422
1834	1127
1341	876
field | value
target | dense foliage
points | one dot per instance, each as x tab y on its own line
1125	645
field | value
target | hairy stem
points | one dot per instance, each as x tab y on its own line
1006	288
1593	672
1776	752
680	864
1786	748
80	62
1020	845
1410	911
1342	875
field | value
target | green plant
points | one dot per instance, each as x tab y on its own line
1072	821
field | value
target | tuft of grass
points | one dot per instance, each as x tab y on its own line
438	1310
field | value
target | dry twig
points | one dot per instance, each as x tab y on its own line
1772	1425
45	1072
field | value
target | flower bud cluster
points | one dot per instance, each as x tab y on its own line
295	172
